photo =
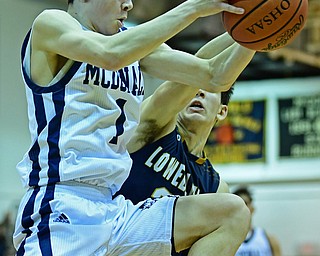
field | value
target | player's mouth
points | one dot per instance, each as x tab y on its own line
121	21
196	106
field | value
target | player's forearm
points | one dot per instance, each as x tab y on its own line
179	67
137	42
214	75
215	46
143	39
229	59
229	64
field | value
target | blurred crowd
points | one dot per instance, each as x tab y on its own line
6	230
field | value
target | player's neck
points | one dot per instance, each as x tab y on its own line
76	12
195	142
195	135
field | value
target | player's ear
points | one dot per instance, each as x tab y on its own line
223	112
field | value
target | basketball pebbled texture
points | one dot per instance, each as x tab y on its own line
266	25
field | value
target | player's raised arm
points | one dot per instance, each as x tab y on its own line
60	34
160	110
215	74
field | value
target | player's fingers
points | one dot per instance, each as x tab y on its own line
231	8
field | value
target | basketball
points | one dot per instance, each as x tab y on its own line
266	25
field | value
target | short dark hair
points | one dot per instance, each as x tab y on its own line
243	191
70	1
225	96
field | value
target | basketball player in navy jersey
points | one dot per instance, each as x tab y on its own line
84	87
258	242
167	148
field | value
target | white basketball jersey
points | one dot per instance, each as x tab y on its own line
80	124
256	244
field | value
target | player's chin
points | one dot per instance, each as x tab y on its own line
120	23
196	115
114	28
196	110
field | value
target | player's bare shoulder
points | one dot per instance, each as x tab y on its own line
53	20
47	29
51	16
55	14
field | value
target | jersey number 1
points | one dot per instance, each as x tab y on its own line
120	121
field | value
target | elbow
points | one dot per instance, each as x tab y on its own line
220	83
223	78
222	87
113	61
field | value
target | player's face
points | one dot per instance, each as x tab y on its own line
205	107
107	16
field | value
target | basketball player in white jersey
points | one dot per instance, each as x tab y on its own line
258	242
82	71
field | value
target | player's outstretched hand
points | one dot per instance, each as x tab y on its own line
225	6
210	7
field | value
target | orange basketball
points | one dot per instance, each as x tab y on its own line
266	25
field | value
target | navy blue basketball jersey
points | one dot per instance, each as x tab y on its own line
166	167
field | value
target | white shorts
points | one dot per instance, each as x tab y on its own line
77	219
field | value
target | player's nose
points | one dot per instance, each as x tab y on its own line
127	5
200	93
